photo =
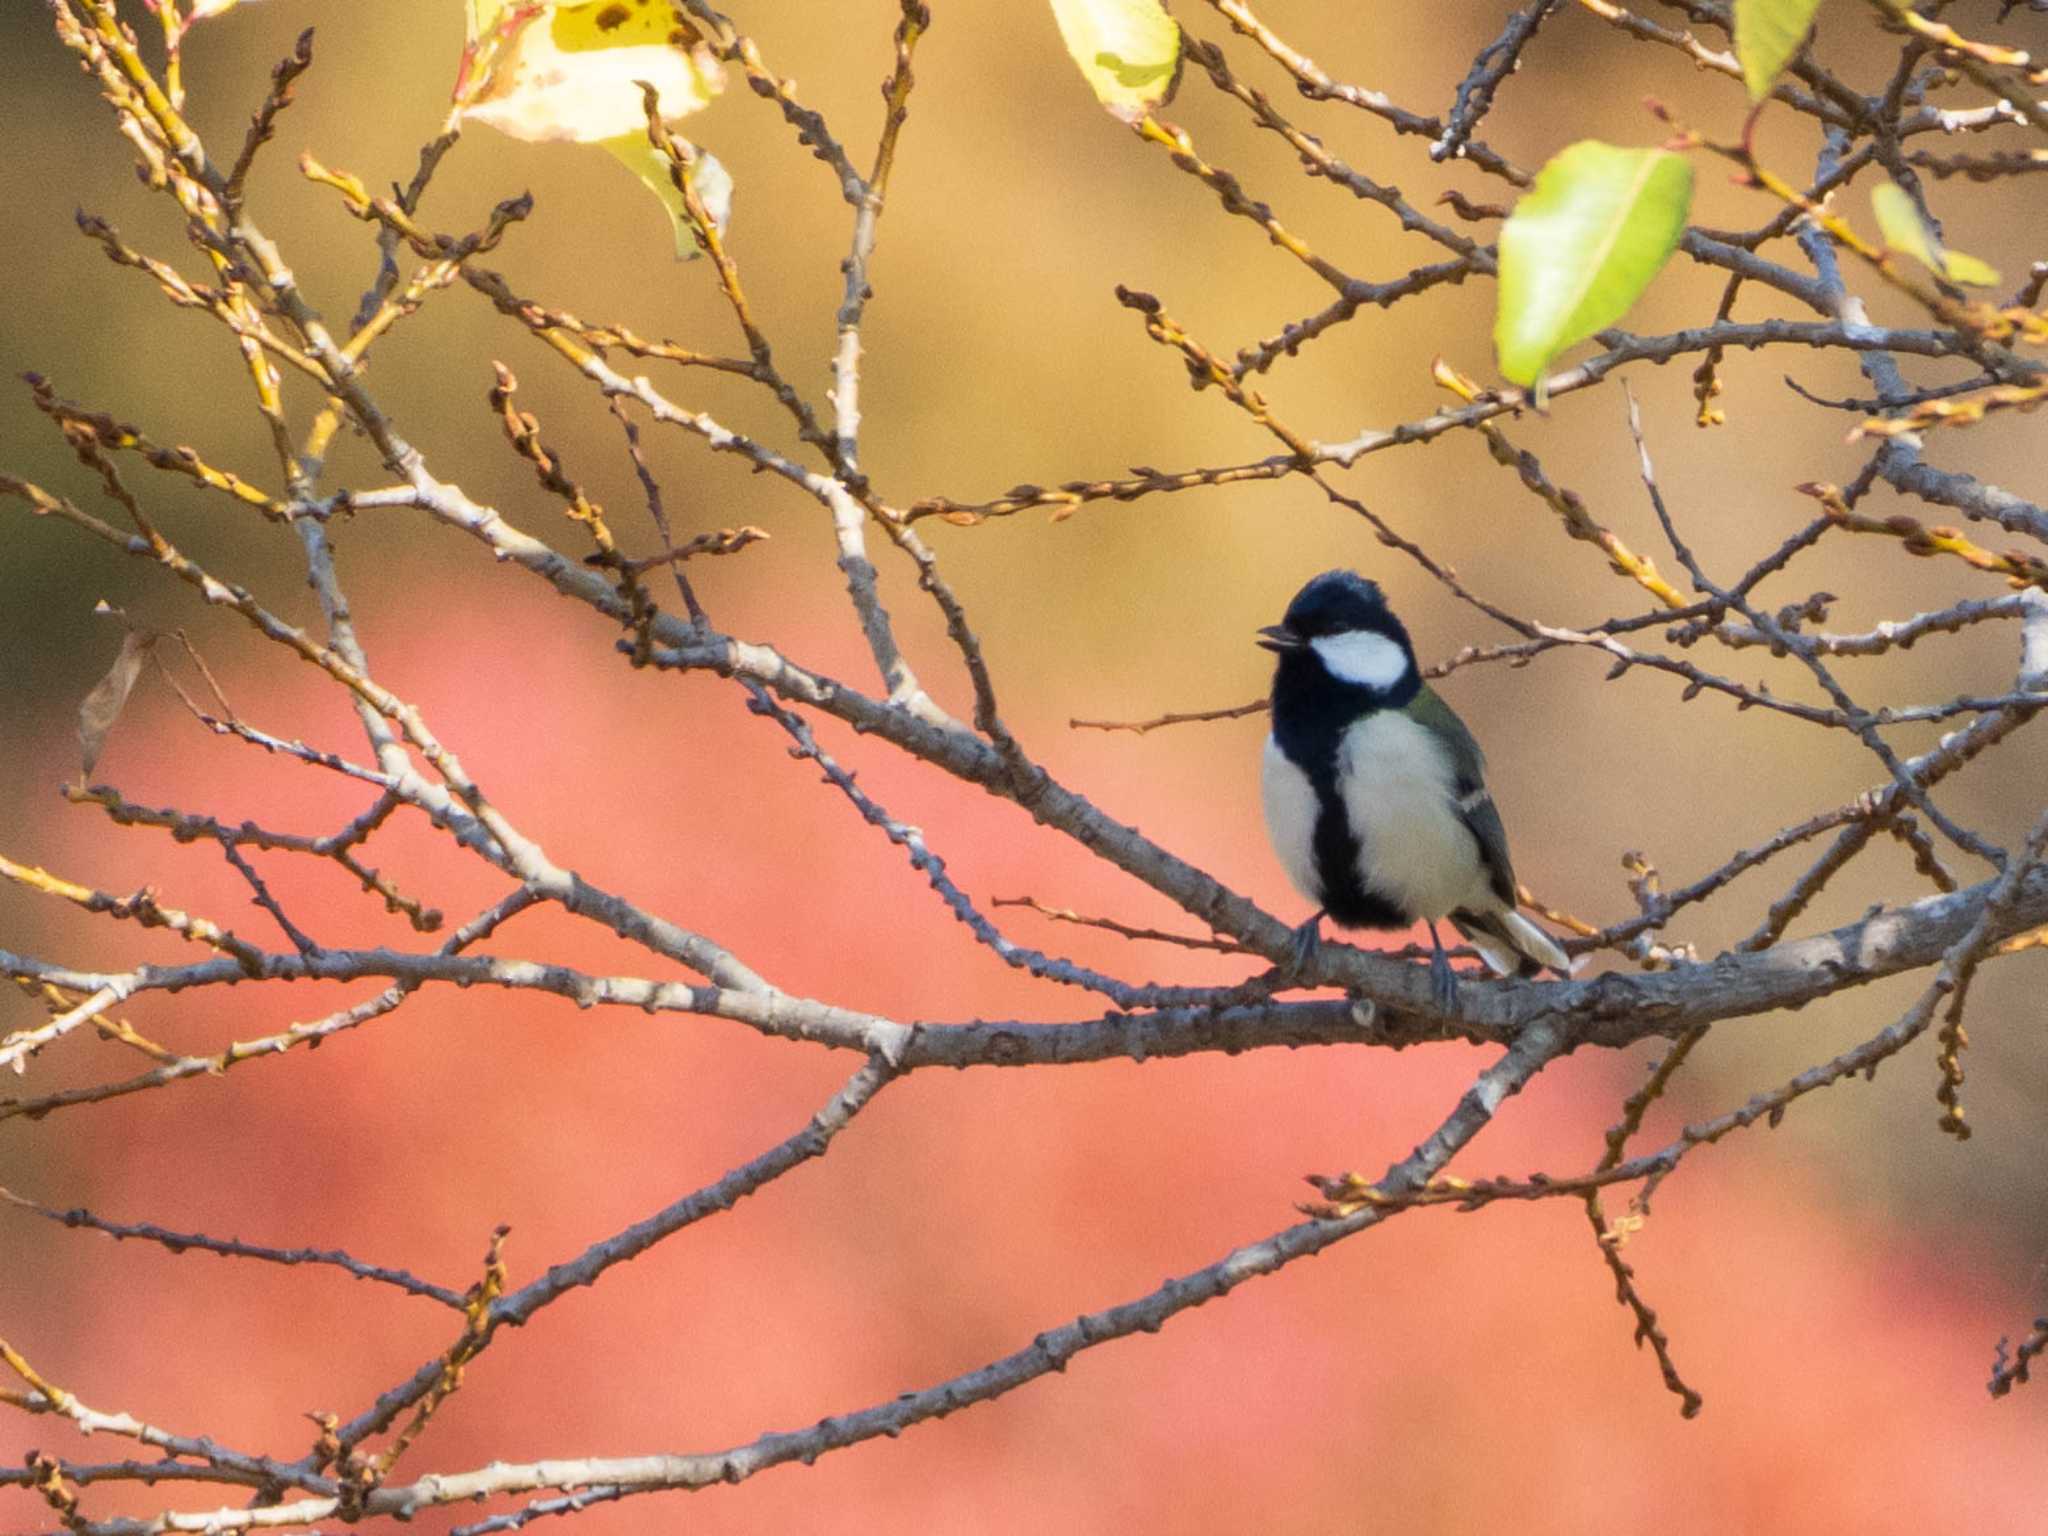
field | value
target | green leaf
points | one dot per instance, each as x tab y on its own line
1581	246
1129	51
1767	34
1904	230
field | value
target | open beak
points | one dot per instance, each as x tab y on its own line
1281	639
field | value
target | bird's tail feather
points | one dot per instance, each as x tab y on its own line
1510	944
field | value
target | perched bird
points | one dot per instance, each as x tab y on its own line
1375	792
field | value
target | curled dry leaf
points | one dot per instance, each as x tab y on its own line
102	707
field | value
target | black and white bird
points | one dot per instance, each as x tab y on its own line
1375	792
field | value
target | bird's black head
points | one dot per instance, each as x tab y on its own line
1341	647
1336	602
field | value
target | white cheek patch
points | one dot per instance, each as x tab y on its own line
1363	658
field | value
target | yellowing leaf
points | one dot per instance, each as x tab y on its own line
708	179
1970	271
483	15
623	24
1128	50
573	71
1767	34
1581	246
1904	230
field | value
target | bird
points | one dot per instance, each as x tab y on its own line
1375	792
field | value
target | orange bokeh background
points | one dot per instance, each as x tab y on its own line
1835	1288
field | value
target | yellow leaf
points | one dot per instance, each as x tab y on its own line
1767	34
708	179
573	71
1970	271
483	15
1129	51
1905	231
623	24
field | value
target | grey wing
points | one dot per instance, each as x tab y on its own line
1475	804
1481	815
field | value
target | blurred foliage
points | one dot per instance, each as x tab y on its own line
996	353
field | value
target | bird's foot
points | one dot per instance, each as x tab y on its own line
1308	940
1443	981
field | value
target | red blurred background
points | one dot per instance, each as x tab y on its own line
1835	1288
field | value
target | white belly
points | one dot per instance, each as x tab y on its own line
1401	796
1291	819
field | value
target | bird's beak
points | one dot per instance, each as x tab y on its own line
1278	637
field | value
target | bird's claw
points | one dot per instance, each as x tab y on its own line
1443	981
1308	940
